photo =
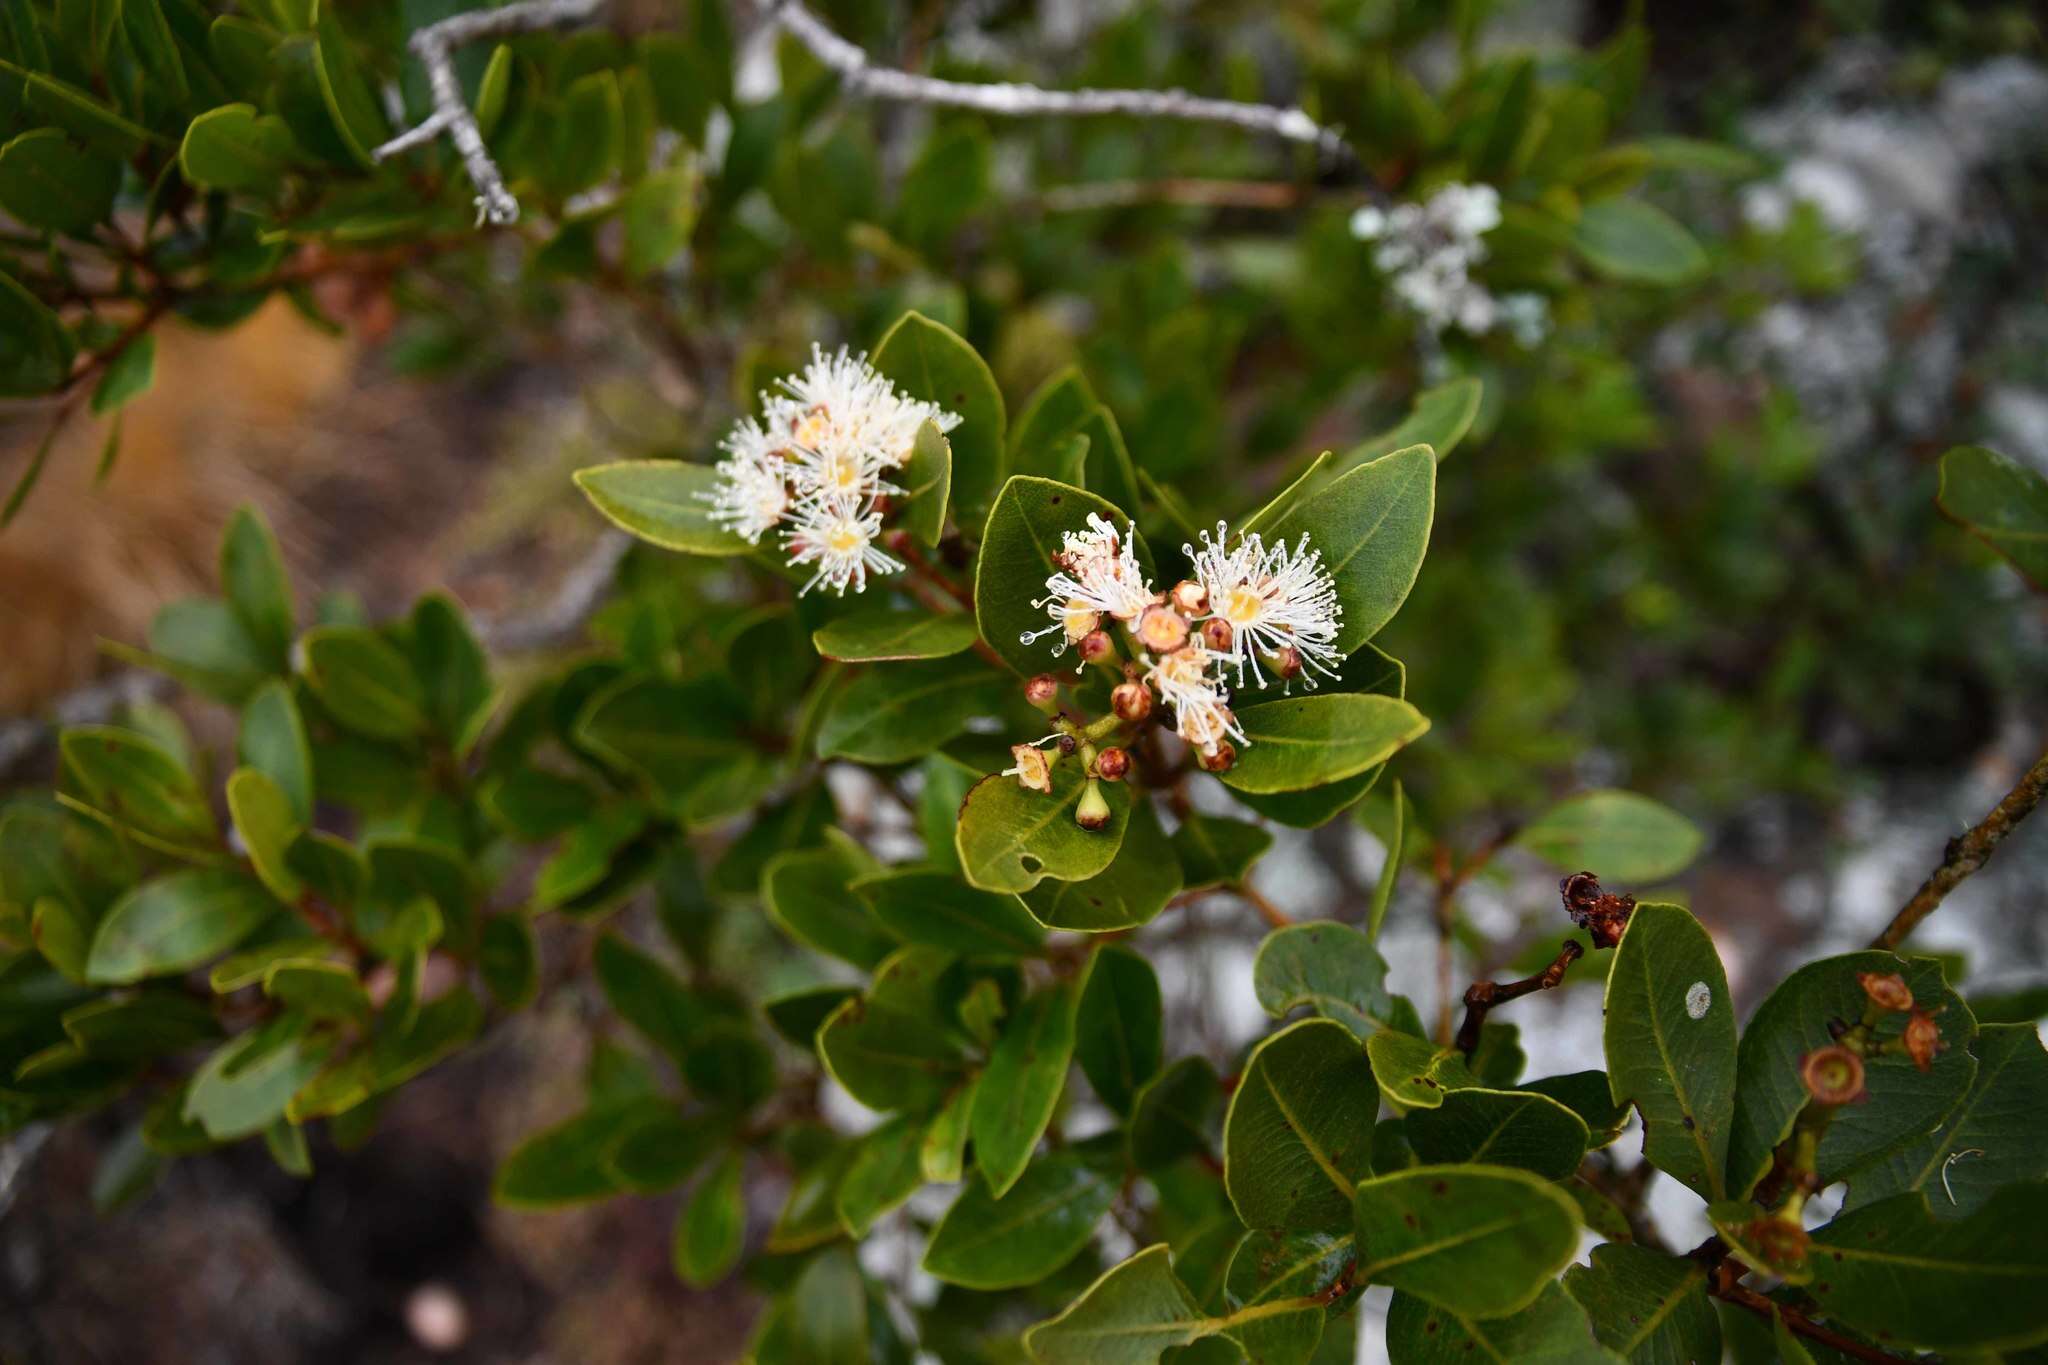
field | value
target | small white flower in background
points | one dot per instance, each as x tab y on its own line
1099	576
1527	317
1428	250
1271	599
817	465
839	537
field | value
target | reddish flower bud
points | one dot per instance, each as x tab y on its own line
1287	661
1096	646
1832	1075
1220	759
1887	990
1217	635
1779	1242
1162	630
1189	597
1923	1038
1043	692
1111	764
1131	701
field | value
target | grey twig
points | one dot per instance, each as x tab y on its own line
1012	100
435	46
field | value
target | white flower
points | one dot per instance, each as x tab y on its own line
1527	316
1428	251
752	492
1272	599
839	472
1033	770
1188	681
1098	576
838	537
840	406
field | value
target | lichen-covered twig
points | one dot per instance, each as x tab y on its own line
1968	852
435	46
1014	100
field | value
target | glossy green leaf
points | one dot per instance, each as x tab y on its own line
1372	527
1670	1038
1390	870
36	351
1414	1072
1131	891
1895	1271
273	742
1279	1286
904	711
1585	1093
454	674
712	1228
885	1172
2002	503
798	1015
1041	1223
1173	1115
1331	968
1619	835
263	817
918	906
1021	1086
1054	411
1528	1131
350	102
1627	239
318	990
663	502
570	1162
138	784
1119	1027
1025	529
943	1154
1479	1240
1214	851
887	633
1010	838
244	1086
809	894
650	997
889	1059
365	683
176	922
1320	738
1797	1018
927	360
1298	1136
1552	1330
1127	1317
49	181
659	215
237	148
927	483
200	642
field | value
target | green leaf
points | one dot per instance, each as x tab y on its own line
454	674
244	1087
1372	527
1479	1240
649	996
929	361
200	642
1621	836
1414	1072
1552	1330
508	960
884	1173
1279	1284
676	734
1627	239
137	783
318	990
2002	503
892	715
1020	1088
273	742
1516	1128
1331	968
1439	418
1298	1136
1894	1271
1991	1140
80	114
1797	1018
236	148
927	480
1131	891
49	181
1054	411
263	817
587	855
884	634
1010	838
1217	852
828	1311
570	1162
1390	870
888	1058
32	472
659	215
809	894
934	908
1119	1027
367	685
1025	529
1586	1094
1127	1317
1047	1216
350	102
1310	741
663	502
1670	1037
35	357
942	1157
799	1015
1171	1117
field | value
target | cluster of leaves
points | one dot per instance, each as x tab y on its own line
367	905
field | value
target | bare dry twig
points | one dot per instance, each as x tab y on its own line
1968	852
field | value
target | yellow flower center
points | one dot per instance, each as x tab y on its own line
812	429
844	540
1079	619
842	472
1242	605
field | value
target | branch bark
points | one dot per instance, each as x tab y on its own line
1968	852
1482	996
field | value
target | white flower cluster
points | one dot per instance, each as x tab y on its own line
816	465
1429	251
1248	605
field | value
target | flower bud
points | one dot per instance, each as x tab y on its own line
1111	764
1096	646
1189	598
1922	1038
1043	692
1219	759
1780	1243
1162	630
1093	810
1217	634
1287	661
1067	744
1132	701
1887	990
1832	1075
